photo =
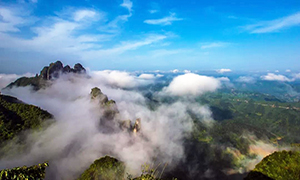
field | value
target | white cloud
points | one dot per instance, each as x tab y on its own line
147	76
163	21
214	45
84	14
175	71
68	33
288	70
192	84
296	76
223	70
279	77
77	125
116	78
125	46
246	79
12	18
275	25
275	77
6	79
122	79
226	79
113	26
277	71
152	11
159	75
127	4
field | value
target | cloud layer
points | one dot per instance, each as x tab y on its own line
79	140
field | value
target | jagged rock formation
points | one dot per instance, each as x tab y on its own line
127	125
109	107
137	125
110	113
53	71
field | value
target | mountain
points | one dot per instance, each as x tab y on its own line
24	173
53	71
16	116
283	165
109	168
105	168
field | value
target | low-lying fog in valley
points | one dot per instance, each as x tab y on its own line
75	138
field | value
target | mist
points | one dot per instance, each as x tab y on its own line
75	139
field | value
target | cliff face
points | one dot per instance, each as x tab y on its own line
53	71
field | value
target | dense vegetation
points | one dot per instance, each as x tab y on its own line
251	111
284	165
16	116
105	168
108	168
35	82
36	172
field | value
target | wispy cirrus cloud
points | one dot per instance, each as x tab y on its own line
155	8
84	14
12	18
152	11
127	4
168	20
214	45
72	34
113	26
274	25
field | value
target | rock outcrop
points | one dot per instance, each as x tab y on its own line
109	107
55	69
51	72
110	113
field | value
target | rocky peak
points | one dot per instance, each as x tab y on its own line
110	112
78	68
67	69
55	69
97	94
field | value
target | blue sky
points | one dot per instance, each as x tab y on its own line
150	35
